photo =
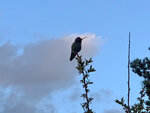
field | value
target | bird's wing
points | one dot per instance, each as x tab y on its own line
76	47
73	54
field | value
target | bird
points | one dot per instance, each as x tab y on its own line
76	47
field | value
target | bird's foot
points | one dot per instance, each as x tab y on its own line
77	55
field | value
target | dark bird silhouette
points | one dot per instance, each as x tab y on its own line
76	47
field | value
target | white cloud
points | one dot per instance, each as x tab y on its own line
42	68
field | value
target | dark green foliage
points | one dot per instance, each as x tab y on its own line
122	103
137	107
142	68
84	71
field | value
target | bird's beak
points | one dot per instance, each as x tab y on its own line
83	38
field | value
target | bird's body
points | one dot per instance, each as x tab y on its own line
76	47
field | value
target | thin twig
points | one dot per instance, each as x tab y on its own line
129	76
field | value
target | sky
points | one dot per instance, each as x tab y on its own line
36	75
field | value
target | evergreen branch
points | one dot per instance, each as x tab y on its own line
82	68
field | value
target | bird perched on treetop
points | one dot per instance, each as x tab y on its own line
76	47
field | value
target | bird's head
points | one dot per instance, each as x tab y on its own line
79	39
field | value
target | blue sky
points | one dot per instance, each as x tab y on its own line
33	21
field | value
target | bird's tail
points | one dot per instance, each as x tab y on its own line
73	54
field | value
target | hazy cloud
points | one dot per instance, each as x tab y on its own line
102	95
76	94
114	111
42	68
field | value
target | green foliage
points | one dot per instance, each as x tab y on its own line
84	71
137	107
122	103
142	68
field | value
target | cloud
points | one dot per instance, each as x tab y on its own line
103	95
114	111
13	101
45	107
76	94
42	67
20	107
